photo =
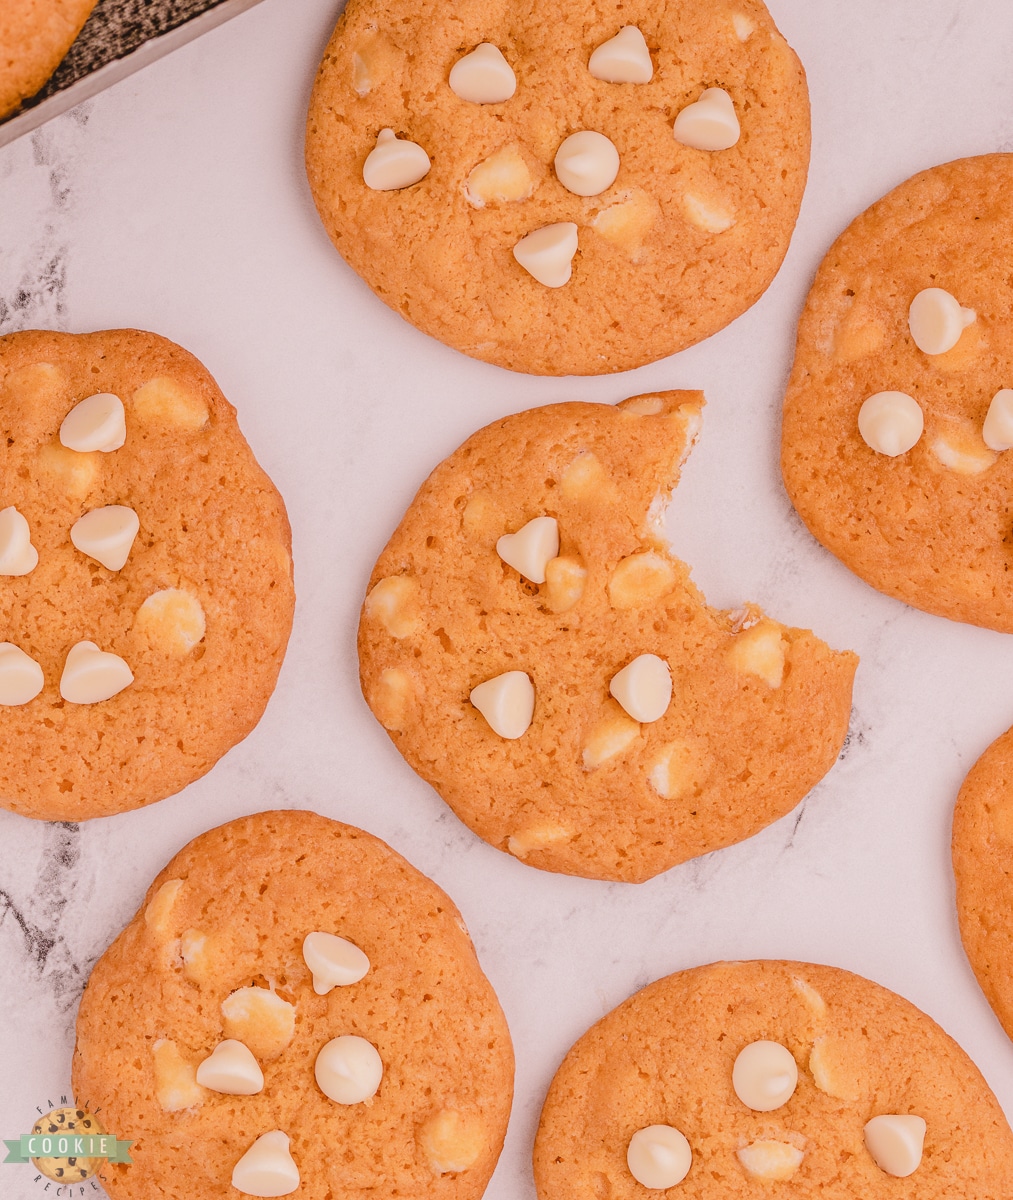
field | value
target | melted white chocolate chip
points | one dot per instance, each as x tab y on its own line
91	675
891	423
936	320
997	432
895	1142
97	423
483	77
267	1168
770	1161
333	961
231	1069
709	123
507	702
394	163
531	548
586	163
106	534
21	677
644	688
547	253
659	1157
17	554
764	1076
623	58
348	1069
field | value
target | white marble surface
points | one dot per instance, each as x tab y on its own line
176	202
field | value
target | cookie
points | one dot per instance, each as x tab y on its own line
560	188
145	574
899	410
983	867
368	1038
735	1078
34	37
537	654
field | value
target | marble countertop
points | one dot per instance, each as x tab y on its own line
176	201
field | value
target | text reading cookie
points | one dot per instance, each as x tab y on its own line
34	37
537	654
770	1078
983	867
560	188
145	574
899	413
295	1010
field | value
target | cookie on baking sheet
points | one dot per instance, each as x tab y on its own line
983	866
537	654
770	1078
562	187
145	574
34	37
899	412
295	1009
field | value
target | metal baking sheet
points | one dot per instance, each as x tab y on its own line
119	37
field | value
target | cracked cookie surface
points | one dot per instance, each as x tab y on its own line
683	240
933	524
224	925
757	712
666	1057
200	611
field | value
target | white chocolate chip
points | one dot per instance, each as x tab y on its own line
362	81
98	423
764	1076
709	123
21	676
267	1168
231	1069
172	620
891	422
91	675
194	951
176	1086
998	428
760	651
17	554
613	734
259	1019
565	578
743	26
394	163
348	1069
659	1156
814	1001
333	961
159	909
392	698
75	474
831	1064
644	688
501	178
626	223
623	58
547	253
530	549
507	702
586	163
771	1161
537	837
166	401
706	214
643	406
394	603
936	320
452	1141
676	771
641	580
106	534
483	77
960	448
895	1142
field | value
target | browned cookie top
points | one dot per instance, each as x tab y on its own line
201	610
683	240
34	37
216	953
932	525
758	712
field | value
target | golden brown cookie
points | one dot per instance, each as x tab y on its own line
675	1056
123	681
663	253
217	953
983	866
927	521
34	37
605	777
